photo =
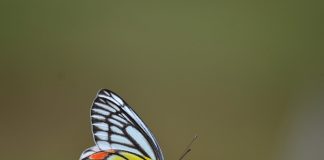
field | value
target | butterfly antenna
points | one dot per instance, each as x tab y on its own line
188	149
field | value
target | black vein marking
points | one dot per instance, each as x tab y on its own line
137	146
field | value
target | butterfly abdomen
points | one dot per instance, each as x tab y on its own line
115	155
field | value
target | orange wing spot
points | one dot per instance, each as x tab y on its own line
99	156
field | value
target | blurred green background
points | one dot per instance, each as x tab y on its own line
246	76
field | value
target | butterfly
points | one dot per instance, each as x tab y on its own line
118	132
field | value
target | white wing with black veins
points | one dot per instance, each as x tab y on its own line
116	126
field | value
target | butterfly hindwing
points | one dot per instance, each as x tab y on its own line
89	151
116	126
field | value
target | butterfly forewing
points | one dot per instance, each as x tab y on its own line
116	126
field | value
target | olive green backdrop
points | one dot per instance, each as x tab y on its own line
246	76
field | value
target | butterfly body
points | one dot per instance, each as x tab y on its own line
118	132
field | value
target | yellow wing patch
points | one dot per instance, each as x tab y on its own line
127	155
116	157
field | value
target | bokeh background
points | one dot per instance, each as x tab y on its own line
246	76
